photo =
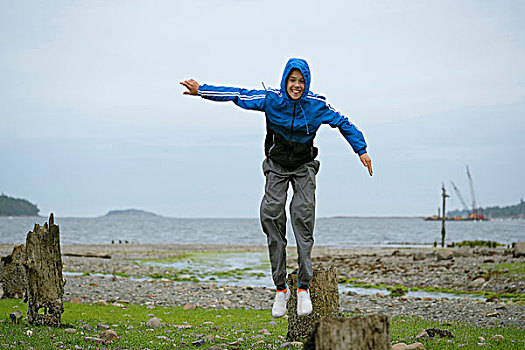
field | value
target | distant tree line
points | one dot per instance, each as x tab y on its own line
509	212
17	207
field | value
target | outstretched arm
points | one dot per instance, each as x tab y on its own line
247	99
350	132
192	86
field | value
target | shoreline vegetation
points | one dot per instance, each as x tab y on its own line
10	206
516	211
125	286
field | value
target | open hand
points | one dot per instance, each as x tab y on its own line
367	162
192	86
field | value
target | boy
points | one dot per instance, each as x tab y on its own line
293	116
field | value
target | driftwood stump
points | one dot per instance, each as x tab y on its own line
325	303
355	333
45	285
13	273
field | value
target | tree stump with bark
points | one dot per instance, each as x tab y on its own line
45	285
354	333
324	294
13	273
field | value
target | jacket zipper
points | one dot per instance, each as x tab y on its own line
293	119
290	152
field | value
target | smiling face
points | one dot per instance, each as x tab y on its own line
295	84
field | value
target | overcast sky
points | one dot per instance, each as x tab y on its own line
92	116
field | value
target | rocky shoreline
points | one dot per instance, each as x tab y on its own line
463	269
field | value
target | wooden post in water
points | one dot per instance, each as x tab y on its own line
45	285
325	302
370	332
443	217
13	273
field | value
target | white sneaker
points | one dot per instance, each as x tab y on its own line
279	305
304	304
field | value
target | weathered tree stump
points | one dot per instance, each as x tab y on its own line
13	273
325	303
354	333
45	285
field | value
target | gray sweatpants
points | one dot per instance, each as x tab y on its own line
302	211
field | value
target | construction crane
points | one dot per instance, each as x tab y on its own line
465	206
475	215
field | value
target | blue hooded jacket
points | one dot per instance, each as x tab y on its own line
291	124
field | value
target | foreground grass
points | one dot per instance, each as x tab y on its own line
203	328
404	330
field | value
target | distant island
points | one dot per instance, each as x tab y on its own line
10	206
131	212
509	212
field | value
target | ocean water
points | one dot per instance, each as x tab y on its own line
334	232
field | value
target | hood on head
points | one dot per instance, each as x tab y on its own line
296	63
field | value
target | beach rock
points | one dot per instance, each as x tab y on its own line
498	337
94	340
442	333
75	300
462	253
109	336
198	343
422	335
419	256
477	283
70	330
189	307
100	302
519	249
16	316
154	323
102	326
444	255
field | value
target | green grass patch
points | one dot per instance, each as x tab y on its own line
509	269
181	328
404	330
176	256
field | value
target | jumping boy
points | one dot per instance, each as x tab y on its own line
293	116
